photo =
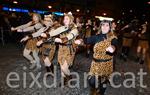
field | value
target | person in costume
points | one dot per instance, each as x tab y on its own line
66	53
30	51
102	63
48	47
129	31
79	24
88	34
143	44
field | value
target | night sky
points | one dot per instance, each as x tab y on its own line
113	8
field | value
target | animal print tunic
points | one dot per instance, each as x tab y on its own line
102	63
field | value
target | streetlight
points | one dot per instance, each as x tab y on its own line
104	14
78	10
15	2
49	7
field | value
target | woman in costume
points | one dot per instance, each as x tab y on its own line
30	47
143	44
66	53
102	63
88	34
130	30
48	46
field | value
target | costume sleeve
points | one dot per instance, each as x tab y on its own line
24	26
39	32
32	28
114	42
72	34
55	32
93	39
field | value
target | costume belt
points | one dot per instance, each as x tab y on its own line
101	60
68	45
62	44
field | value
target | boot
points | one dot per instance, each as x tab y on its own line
102	87
67	78
123	56
50	69
122	52
65	82
94	91
141	61
88	53
102	90
137	59
127	50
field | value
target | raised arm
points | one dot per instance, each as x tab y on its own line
114	43
93	39
90	40
24	26
112	48
39	32
72	34
55	32
32	28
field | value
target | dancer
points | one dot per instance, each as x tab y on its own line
30	47
143	44
129	33
66	52
102	63
88	34
48	49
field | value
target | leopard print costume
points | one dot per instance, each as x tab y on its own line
31	44
127	39
143	42
103	69
66	52
52	48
